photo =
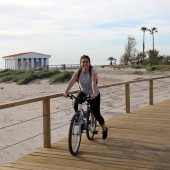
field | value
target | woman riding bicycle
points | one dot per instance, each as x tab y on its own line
88	86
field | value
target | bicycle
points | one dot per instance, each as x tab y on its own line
79	123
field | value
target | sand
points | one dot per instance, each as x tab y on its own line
21	127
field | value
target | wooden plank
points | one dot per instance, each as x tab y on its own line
91	156
113	162
127	97
151	92
46	123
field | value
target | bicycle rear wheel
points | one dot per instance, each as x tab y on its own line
91	126
74	137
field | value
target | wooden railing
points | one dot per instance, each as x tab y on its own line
46	103
64	66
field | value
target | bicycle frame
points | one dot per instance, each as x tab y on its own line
80	123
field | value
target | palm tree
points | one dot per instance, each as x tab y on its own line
143	29
139	58
152	31
111	59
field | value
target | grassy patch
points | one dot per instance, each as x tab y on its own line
138	72
65	75
26	76
7	78
10	72
158	68
137	66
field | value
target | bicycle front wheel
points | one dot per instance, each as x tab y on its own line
74	137
91	126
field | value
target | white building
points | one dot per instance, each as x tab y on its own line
28	60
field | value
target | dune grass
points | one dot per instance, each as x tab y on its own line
26	76
138	72
158	68
65	75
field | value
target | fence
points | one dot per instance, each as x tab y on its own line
64	66
46	103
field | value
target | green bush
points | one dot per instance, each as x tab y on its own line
153	68
27	79
18	77
26	76
46	73
61	77
30	71
4	71
159	68
7	78
138	72
137	67
11	72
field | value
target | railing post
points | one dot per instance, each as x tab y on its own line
46	123
151	92
127	97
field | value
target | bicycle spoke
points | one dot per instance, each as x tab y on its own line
74	135
91	126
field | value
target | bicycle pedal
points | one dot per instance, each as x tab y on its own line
95	132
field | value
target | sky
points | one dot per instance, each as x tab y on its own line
68	29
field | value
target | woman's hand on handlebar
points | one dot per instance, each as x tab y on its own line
65	94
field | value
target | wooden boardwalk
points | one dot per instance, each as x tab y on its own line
138	140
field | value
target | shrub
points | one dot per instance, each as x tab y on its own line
61	77
27	79
137	67
159	68
3	71
25	76
46	73
18	77
153	68
11	72
7	78
138	72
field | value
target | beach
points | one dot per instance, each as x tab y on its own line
21	128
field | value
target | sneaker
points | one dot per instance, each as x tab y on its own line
105	133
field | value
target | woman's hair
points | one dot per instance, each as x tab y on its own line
87	57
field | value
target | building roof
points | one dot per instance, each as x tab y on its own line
20	54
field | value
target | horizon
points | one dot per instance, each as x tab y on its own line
2	65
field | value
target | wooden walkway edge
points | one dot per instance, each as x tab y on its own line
138	140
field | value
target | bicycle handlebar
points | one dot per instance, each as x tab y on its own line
86	98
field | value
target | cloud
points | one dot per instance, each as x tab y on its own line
98	27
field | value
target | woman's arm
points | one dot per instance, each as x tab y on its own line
94	86
70	84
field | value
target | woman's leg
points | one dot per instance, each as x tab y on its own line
80	94
95	106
